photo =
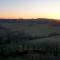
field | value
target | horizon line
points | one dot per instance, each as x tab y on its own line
31	18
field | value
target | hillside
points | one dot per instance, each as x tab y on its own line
19	38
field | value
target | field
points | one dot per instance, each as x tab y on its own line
29	40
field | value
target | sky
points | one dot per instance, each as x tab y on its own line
30	9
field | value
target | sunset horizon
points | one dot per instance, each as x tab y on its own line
29	9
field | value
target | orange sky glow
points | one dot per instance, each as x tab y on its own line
30	9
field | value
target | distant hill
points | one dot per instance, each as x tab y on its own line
50	22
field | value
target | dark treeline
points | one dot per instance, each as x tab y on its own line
27	21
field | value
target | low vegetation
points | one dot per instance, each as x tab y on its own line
13	44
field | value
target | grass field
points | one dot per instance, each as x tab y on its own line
29	41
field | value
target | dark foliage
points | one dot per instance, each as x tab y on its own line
15	37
